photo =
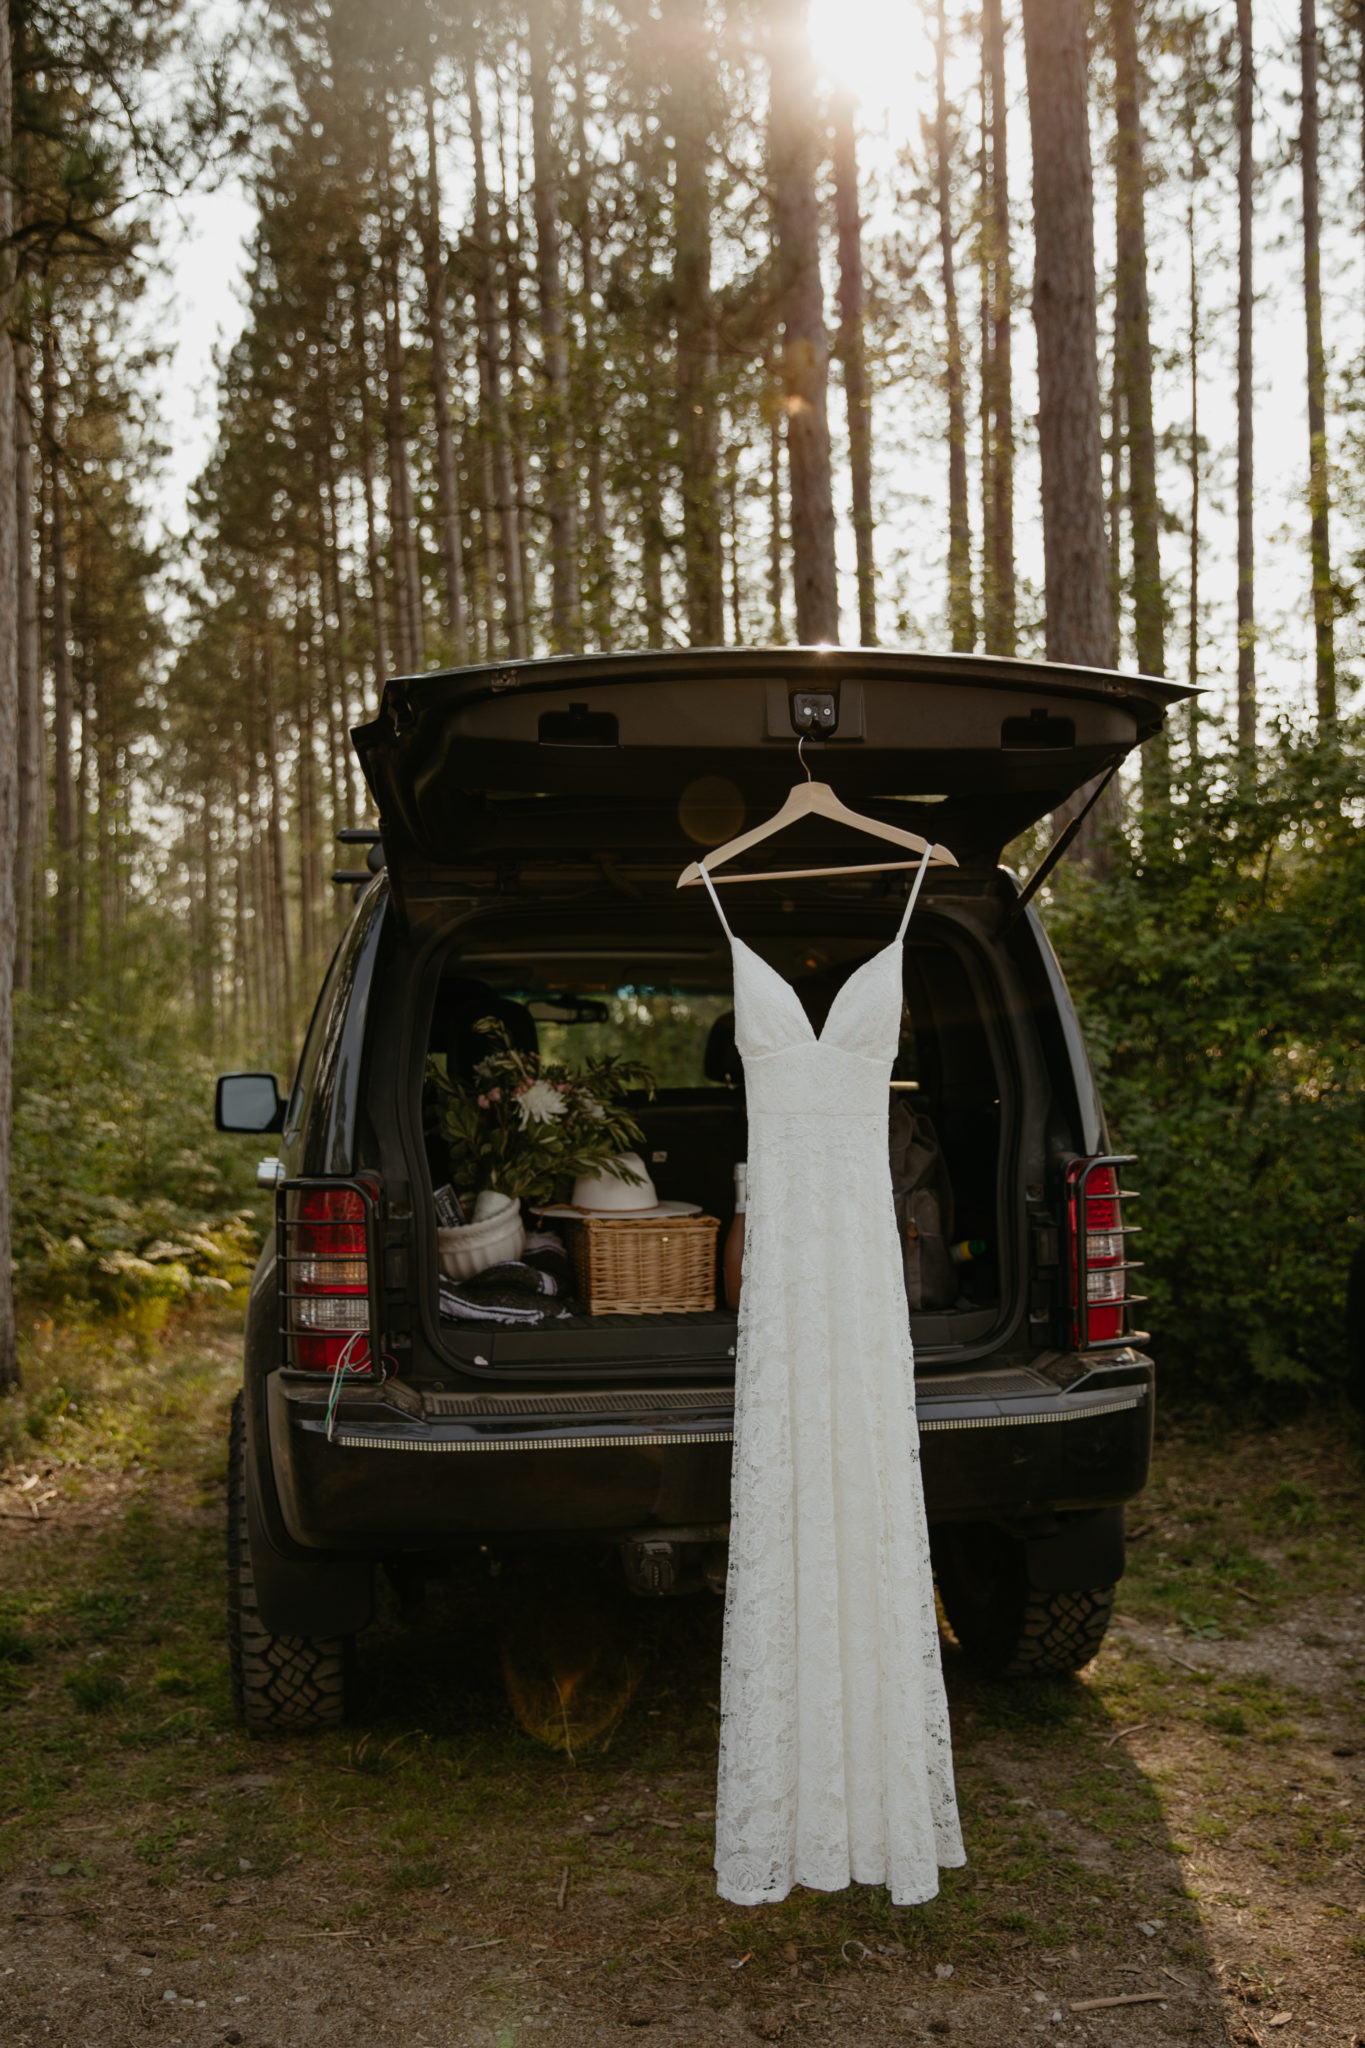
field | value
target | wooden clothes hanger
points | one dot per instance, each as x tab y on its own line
815	799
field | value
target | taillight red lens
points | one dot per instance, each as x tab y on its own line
327	1280
1103	1261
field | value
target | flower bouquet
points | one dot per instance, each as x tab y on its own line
526	1129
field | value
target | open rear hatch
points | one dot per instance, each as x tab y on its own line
533	767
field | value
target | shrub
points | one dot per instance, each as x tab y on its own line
1220	977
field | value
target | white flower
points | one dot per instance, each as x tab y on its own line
593	1108
539	1102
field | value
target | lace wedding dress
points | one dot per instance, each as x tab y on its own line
835	1755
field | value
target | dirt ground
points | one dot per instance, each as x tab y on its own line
1178	1827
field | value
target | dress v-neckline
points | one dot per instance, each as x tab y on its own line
816	1037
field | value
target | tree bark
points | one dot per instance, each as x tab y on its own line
9	716
588	380
1080	623
779	630
851	350
961	614
999	601
1196	466
63	694
792	165
566	608
447	482
490	377
408	632
374	558
1246	509
1319	496
31	816
1133	352
689	70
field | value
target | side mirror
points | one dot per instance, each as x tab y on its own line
248	1102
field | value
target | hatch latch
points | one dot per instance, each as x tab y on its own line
814	711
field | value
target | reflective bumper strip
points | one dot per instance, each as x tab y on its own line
1012	1421
623	1442
629	1441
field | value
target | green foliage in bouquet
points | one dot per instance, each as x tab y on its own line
529	1127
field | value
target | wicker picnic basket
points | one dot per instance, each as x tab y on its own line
641	1266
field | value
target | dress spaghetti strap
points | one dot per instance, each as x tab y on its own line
711	892
920	872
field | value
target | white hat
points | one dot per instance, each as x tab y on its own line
606	1194
603	1194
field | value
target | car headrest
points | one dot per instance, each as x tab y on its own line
722	1061
461	1005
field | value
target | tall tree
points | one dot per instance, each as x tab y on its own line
30	815
494	397
1133	362
792	162
566	611
961	613
1246	508
447	482
690	90
9	705
997	378
1080	621
852	353
1319	496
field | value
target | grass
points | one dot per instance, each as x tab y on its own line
115	1704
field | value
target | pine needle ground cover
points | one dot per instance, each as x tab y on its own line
1180	1824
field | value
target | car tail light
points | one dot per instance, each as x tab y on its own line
328	1249
1101	1299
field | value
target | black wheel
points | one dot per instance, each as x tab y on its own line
279	1683
1008	1628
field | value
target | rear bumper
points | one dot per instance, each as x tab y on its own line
448	1468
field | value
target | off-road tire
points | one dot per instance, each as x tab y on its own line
280	1684
1008	1628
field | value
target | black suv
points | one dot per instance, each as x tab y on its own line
533	822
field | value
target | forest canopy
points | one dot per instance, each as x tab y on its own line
581	325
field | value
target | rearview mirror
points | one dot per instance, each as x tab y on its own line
248	1102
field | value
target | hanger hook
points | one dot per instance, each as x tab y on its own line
801	757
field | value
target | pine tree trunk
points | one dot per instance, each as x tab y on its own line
511	246
408	633
9	720
1133	352
561	488
779	630
279	893
588	379
31	802
1080	623
374	557
793	132
652	541
1318	481
1196	465
689	71
1246	504
851	351
490	379
961	615
1000	631
63	694
447	483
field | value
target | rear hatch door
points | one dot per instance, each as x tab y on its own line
638	759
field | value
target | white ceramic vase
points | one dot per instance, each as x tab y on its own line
497	1233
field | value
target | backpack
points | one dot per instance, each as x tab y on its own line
923	1195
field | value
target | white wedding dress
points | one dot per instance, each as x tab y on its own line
835	1754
